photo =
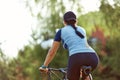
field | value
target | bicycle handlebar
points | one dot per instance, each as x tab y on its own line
63	70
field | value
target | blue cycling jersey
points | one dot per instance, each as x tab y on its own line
72	41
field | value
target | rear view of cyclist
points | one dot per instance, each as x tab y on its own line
73	38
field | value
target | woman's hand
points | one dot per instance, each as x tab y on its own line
43	68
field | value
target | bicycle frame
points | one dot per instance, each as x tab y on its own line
52	71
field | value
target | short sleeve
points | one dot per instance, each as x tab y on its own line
58	36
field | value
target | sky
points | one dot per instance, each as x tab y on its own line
15	26
16	23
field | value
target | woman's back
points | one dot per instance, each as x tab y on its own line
74	43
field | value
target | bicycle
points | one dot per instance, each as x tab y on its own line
86	70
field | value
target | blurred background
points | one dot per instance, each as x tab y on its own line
27	29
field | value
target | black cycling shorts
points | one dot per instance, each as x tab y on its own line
76	61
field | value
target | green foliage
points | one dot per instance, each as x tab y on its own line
111	61
30	59
7	71
111	13
112	48
90	20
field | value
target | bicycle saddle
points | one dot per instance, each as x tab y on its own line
86	69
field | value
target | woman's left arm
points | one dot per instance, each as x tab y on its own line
51	53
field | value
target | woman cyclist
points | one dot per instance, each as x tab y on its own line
74	39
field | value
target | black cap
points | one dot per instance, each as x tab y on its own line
69	16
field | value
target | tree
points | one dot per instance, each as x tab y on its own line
6	70
111	16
